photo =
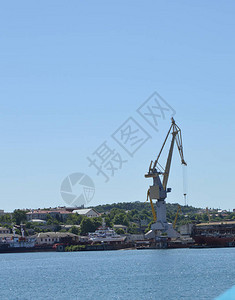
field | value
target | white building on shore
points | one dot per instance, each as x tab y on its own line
88	212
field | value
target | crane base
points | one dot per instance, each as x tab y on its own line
160	229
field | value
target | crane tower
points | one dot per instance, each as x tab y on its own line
158	191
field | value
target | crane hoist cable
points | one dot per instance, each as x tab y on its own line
185	183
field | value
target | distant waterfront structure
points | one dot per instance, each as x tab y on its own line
60	213
186	229
38	221
42	214
120	227
4	230
88	212
50	238
220	233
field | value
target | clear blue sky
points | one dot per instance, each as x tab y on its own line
72	72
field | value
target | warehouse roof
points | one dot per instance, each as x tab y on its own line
217	223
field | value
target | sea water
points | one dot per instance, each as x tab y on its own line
124	274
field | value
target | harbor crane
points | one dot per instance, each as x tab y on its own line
158	191
176	216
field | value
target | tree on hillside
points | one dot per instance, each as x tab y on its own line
120	231
97	222
19	216
115	211
74	230
121	219
89	225
74	219
6	218
133	229
51	221
108	221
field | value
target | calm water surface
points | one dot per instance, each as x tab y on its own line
127	274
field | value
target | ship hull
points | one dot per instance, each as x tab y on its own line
223	241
